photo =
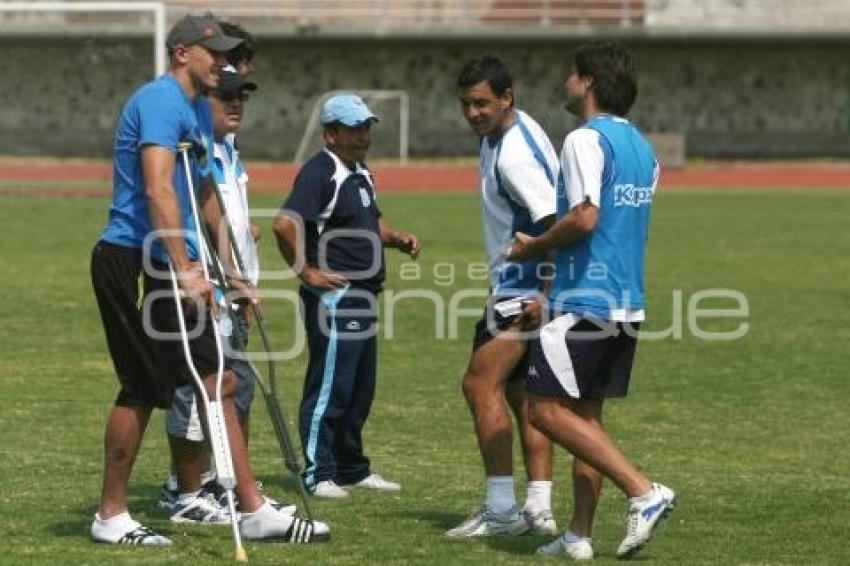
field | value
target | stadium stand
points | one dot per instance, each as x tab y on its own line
566	12
377	15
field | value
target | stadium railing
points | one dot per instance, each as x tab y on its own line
358	16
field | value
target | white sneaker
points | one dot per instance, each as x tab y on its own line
541	523
329	490
219	497
568	544
643	517
484	523
201	510
376	482
285	508
267	523
121	529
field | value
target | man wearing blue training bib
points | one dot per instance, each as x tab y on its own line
585	354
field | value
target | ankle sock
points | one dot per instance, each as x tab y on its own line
115	527
538	496
500	494
265	522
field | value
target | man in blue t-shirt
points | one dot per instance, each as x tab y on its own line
331	232
585	354
151	225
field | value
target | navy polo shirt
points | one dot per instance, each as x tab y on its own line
340	214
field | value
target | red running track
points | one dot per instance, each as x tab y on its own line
278	178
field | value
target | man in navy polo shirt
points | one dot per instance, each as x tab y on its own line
331	232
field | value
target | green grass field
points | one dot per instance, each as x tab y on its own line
752	433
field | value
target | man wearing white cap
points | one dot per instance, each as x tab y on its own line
331	232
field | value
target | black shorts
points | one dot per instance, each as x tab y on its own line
115	272
162	309
492	323
582	358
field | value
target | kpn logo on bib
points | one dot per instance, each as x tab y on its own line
630	195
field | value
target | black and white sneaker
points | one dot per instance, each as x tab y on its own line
303	531
143	536
267	523
122	529
220	495
282	506
167	497
201	511
213	490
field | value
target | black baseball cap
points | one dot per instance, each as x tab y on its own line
200	30
231	82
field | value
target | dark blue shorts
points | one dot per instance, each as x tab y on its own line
491	324
582	358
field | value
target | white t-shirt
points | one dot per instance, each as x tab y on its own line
518	176
234	191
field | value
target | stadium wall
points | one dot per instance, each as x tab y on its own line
729	97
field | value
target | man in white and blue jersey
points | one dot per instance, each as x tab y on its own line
519	168
183	424
585	355
332	233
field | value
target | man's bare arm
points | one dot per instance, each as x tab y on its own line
157	172
576	224
289	234
404	241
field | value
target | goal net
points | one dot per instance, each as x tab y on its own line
390	137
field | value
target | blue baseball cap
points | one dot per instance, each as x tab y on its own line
348	109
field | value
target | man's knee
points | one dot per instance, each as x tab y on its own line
228	384
468	386
477	385
541	411
119	457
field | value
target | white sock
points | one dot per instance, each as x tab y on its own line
116	520
188	497
115	527
538	496
570	536
207	476
500	493
172	484
265	522
642	499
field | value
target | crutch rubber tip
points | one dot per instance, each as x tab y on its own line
241	555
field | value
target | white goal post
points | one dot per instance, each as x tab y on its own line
156	9
306	144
